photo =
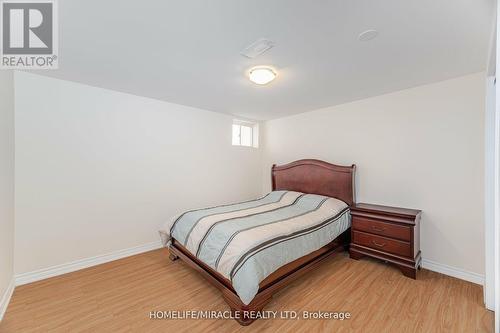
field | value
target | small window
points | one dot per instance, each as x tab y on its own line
245	134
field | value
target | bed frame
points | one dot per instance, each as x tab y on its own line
307	176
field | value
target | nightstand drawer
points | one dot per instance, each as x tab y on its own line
381	228
382	244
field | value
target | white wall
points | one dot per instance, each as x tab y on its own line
490	200
490	170
418	148
496	254
6	186
99	171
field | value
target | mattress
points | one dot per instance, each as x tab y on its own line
246	242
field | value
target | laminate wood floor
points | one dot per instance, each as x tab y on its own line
118	297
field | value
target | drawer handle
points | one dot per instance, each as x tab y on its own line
378	244
374	228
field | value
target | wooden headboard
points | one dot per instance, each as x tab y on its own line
315	177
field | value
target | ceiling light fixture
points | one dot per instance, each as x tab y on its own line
262	75
367	35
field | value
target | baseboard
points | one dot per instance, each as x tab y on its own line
453	271
69	267
46	273
4	301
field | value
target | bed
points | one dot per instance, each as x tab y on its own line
251	249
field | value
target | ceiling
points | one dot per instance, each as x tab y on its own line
188	52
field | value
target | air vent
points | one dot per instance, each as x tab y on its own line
367	35
257	48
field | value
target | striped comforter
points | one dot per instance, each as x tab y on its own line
246	242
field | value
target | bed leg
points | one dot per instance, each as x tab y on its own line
346	239
173	257
245	314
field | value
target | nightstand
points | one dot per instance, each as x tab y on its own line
388	233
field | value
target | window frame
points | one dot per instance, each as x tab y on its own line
252	126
